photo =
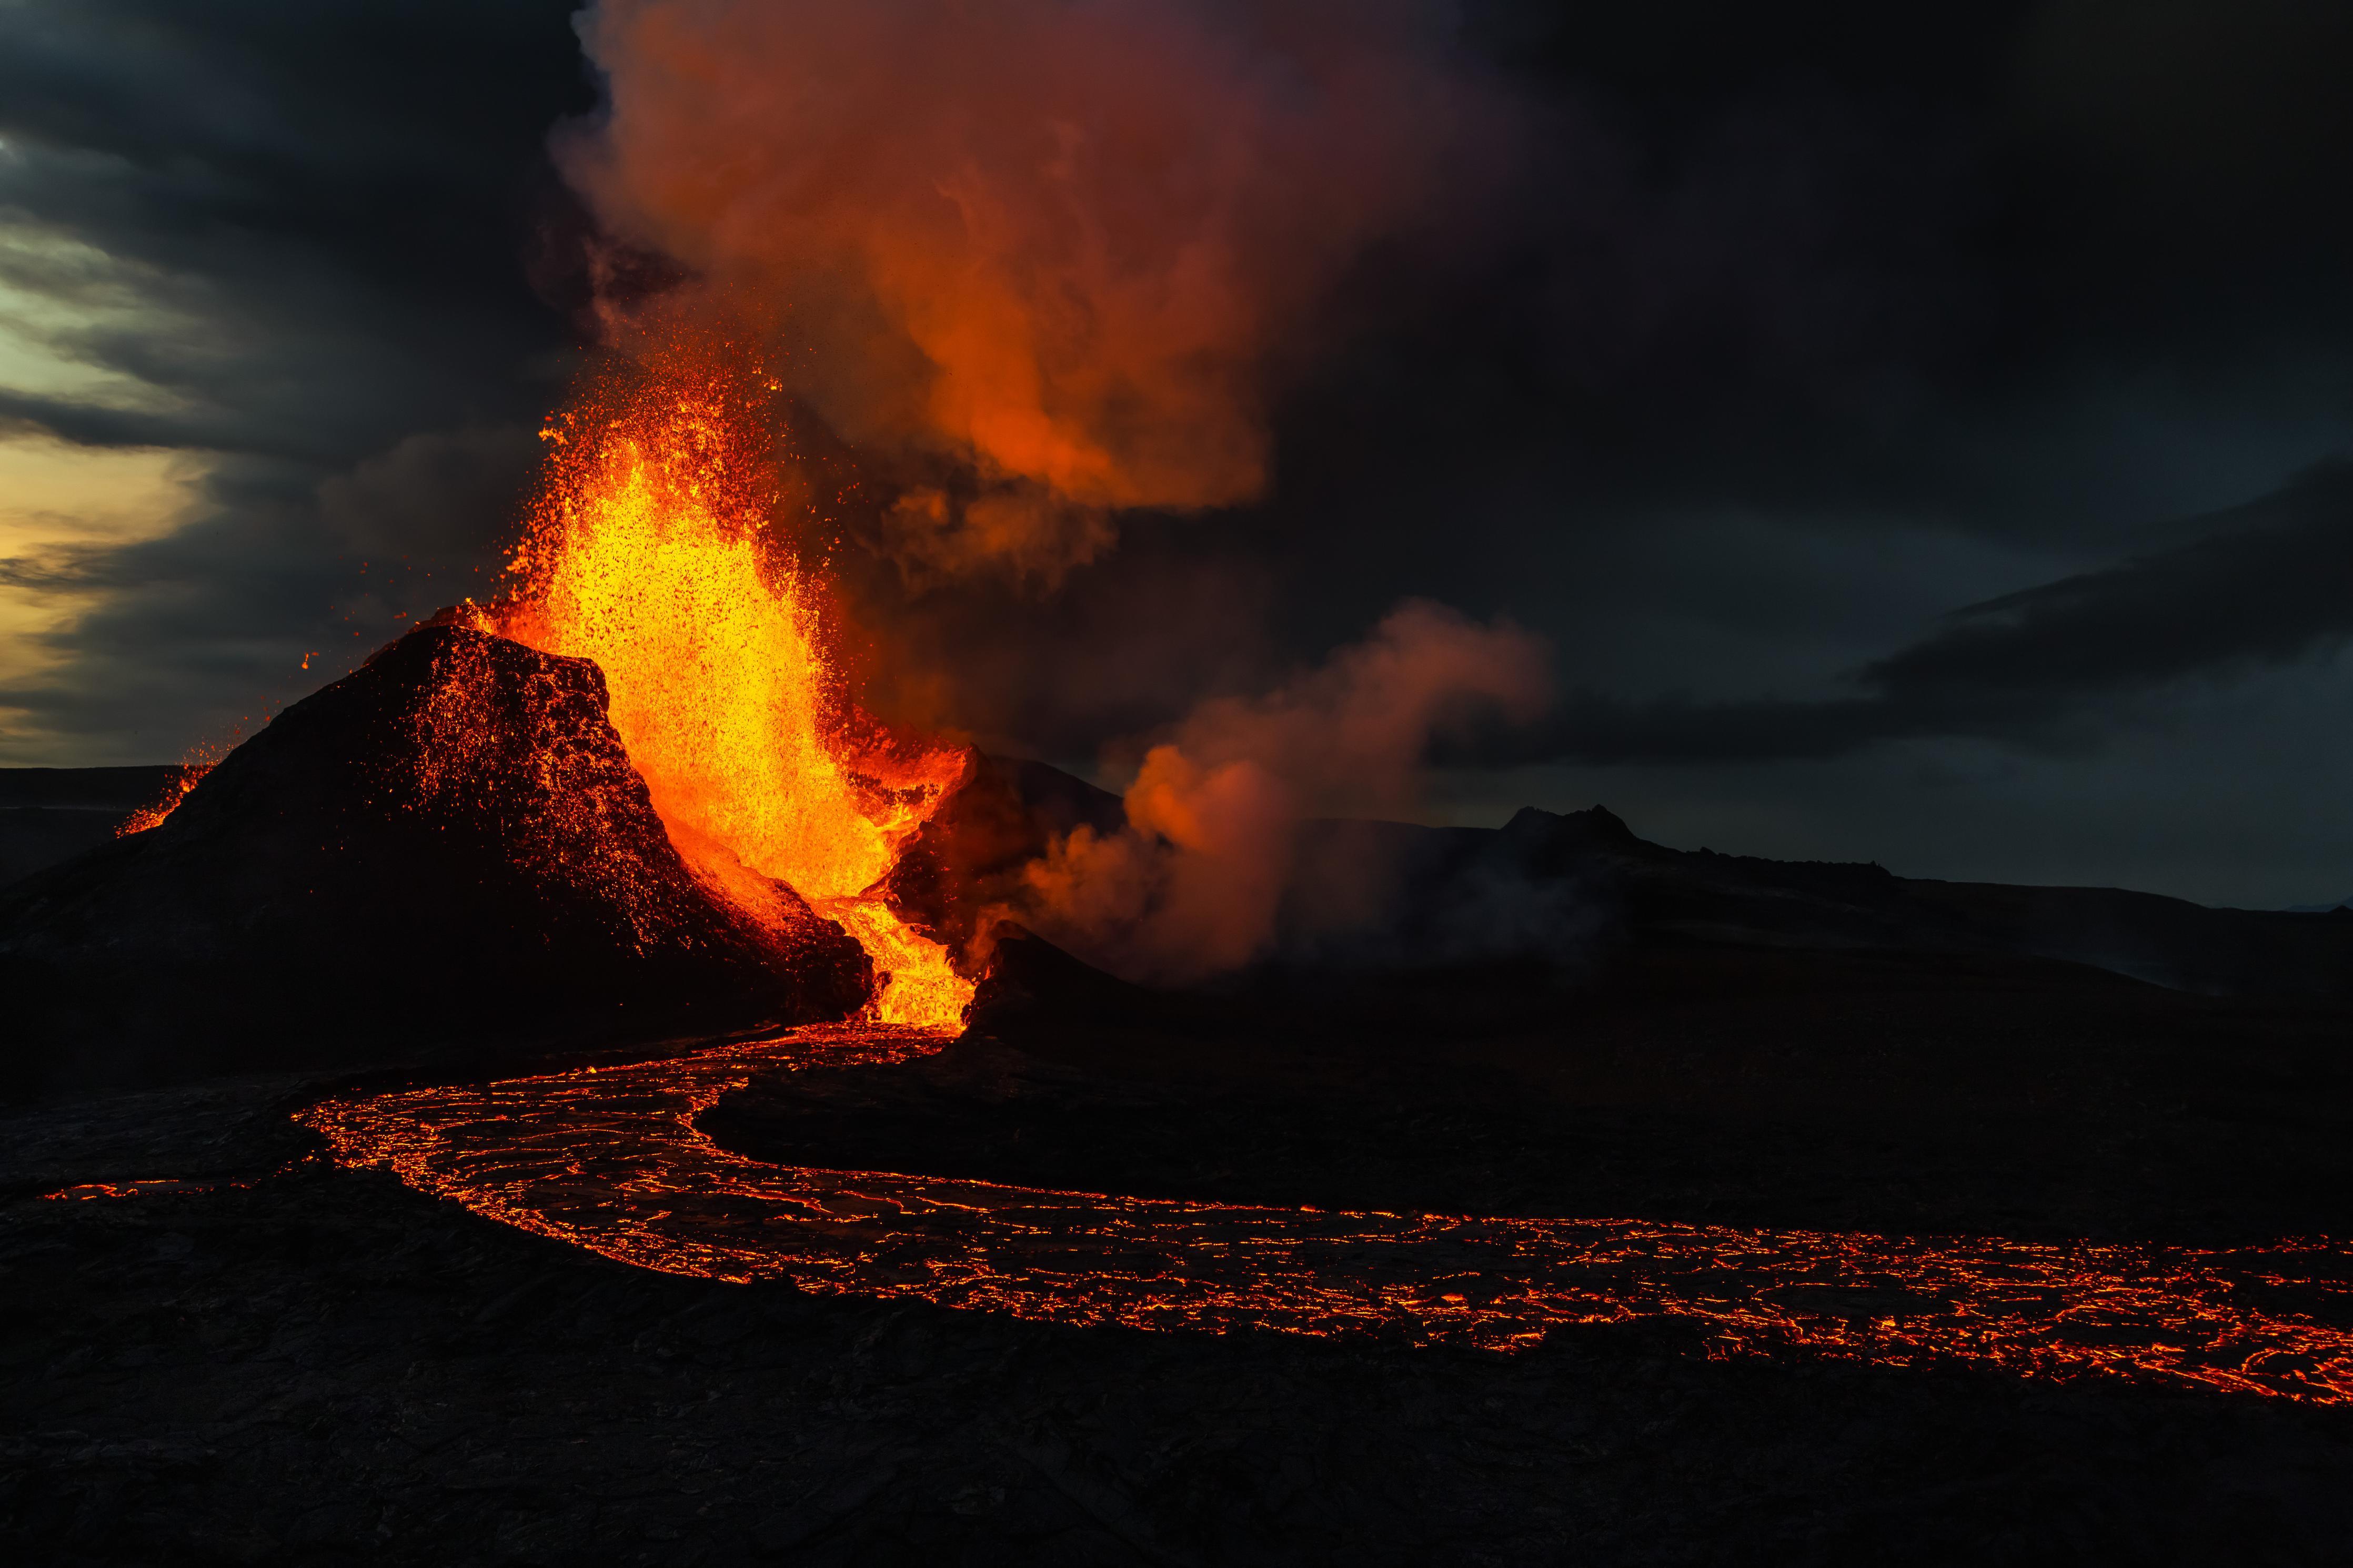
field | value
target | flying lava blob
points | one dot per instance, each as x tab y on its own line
648	551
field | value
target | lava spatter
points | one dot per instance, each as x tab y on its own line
176	790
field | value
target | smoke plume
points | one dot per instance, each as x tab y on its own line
1053	253
1190	886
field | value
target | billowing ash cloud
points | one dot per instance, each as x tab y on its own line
1067	250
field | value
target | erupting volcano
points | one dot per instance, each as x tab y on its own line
899	854
649	551
632	797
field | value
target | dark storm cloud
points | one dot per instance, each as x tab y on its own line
2264	585
1848	254
327	202
95	424
2235	104
301	234
2273	582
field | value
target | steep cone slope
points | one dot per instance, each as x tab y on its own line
448	846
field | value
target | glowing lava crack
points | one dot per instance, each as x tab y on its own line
610	1159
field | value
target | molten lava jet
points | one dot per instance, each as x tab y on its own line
648	553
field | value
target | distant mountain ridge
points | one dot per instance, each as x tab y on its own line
51	815
1563	889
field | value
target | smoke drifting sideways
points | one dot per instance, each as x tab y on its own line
1055	256
1191	886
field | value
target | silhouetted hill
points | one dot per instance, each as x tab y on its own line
968	857
447	847
1743	901
1565	892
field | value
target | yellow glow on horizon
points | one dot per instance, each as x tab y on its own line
58	501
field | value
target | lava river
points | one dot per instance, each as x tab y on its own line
611	1160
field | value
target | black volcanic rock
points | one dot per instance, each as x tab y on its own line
968	859
1030	981
447	848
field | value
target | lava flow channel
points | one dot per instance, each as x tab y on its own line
611	1160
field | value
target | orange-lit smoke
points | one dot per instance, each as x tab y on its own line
1053	243
1190	886
645	554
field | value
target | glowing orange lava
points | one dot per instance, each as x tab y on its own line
612	1161
190	775
649	552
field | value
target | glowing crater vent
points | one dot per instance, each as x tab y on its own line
645	553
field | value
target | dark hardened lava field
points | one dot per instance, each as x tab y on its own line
281	1360
1899	1093
325	1365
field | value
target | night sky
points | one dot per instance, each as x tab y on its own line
1921	434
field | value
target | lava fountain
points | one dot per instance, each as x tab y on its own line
648	549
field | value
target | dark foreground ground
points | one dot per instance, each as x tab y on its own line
326	1367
